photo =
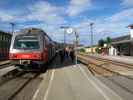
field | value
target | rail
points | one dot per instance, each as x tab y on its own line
99	65
116	62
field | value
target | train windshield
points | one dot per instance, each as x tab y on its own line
26	42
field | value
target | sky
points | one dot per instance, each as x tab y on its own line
110	17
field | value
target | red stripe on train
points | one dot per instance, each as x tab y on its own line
35	56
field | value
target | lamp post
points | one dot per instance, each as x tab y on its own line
64	27
91	31
70	31
13	27
76	45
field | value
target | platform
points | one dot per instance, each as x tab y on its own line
72	82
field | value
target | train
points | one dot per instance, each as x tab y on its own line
5	40
31	49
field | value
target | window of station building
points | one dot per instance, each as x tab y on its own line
7	38
4	37
0	44
1	37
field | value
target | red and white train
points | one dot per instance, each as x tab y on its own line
31	48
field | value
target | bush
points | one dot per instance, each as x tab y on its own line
98	50
82	50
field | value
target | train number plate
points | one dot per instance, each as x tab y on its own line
24	61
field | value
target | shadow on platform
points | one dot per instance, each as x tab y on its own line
58	63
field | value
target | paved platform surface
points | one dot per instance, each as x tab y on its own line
121	85
73	83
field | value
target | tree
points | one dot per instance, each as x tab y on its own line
82	50
101	43
98	50
108	41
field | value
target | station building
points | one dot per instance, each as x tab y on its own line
5	40
123	45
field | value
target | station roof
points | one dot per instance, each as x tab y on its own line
4	33
122	39
130	26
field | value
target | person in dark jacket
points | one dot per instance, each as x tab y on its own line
72	55
62	55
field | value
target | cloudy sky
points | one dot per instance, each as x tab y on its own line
110	17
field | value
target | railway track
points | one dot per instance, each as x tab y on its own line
123	64
110	66
102	67
20	85
14	82
5	64
27	81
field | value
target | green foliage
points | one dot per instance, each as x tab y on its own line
108	40
98	50
88	47
101	43
82	50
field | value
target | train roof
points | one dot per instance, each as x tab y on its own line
32	31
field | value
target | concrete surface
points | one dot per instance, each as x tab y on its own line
65	81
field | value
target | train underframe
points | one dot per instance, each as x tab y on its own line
29	65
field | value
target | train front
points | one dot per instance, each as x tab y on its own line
25	52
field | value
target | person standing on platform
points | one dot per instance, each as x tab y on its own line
62	55
72	55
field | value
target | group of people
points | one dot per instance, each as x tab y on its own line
68	53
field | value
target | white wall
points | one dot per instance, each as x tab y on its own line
131	33
112	51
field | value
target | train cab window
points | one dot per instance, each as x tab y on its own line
26	43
